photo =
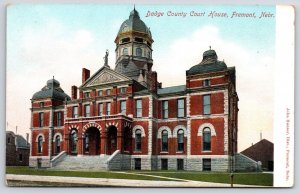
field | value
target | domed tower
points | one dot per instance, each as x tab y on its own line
133	49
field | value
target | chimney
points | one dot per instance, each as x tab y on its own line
74	92
159	85
85	74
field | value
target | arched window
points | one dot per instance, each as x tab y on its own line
40	144
180	140
206	139
138	52
86	143
74	141
57	144
164	140
125	51
138	137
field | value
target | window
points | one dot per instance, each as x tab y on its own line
42	104
58	119
125	51
138	40
41	119
138	106
138	52
20	157
100	109
123	90
74	140
180	108
206	82
57	144
107	108
180	140
86	143
40	144
108	91
125	40
164	164
8	140
137	163
138	140
164	140
86	95
206	139
206	104
75	112
100	93
86	110
206	164
180	165
165	109
123	107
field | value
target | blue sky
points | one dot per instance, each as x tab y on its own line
46	40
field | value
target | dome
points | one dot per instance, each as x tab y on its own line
51	90
134	23
209	63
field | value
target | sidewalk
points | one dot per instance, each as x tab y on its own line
114	182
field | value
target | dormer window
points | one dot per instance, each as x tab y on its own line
206	82
138	40
42	104
125	40
100	93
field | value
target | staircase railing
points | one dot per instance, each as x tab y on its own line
114	161
58	158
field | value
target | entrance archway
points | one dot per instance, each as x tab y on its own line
111	140
91	141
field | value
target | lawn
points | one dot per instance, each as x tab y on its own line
87	174
262	179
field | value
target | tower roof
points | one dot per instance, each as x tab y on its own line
209	63
51	90
134	23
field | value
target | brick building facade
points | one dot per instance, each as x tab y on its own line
125	113
17	150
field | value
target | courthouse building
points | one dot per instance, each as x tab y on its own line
123	118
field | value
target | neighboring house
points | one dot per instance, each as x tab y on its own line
124	113
17	150
262	151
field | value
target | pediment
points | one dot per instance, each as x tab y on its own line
105	76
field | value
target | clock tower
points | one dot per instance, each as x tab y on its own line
134	50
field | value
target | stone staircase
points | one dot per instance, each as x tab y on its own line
244	163
85	162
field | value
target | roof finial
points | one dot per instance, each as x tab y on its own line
106	58
53	77
134	7
209	47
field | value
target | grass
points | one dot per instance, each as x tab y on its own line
87	174
261	179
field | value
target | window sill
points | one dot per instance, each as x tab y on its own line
137	152
179	151
206	151
164	152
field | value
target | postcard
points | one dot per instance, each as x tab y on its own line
104	95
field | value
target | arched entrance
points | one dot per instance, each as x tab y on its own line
91	141
111	140
73	142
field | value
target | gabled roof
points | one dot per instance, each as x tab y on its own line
104	75
21	142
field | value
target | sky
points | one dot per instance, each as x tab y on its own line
59	40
